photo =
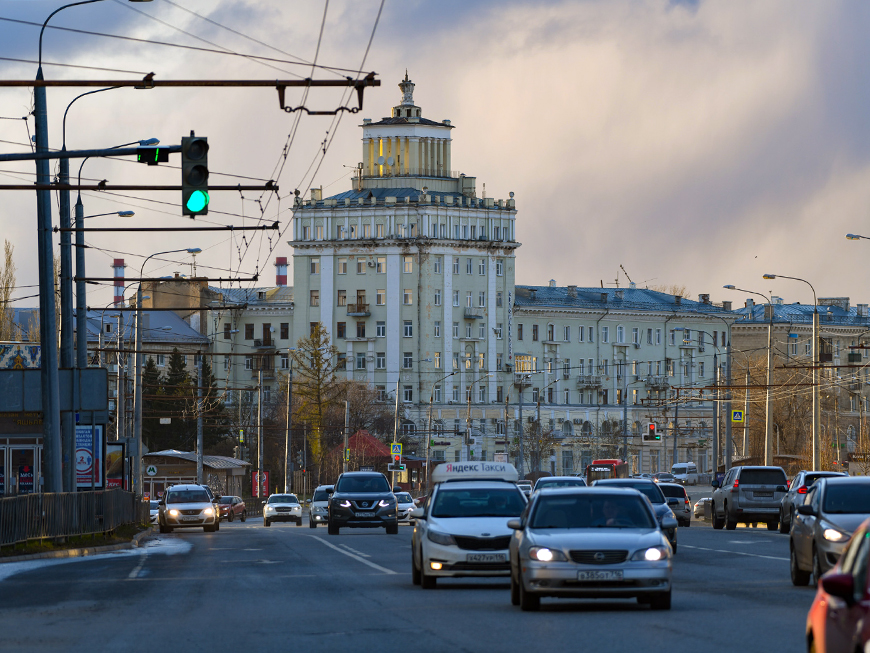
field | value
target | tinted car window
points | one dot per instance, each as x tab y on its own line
564	482
485	502
373	483
650	490
606	511
229	500
404	497
762	477
849	498
188	496
283	498
670	491
321	495
809	479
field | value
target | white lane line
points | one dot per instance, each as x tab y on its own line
737	553
353	555
138	568
359	553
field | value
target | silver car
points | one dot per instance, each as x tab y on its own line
797	490
824	522
405	504
594	542
678	502
559	481
187	506
653	492
749	494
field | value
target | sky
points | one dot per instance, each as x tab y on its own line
693	143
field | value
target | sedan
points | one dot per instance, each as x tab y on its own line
598	542
652	492
839	619
824	522
559	481
155	510
699	506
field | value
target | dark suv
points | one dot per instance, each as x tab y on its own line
362	500
749	495
797	491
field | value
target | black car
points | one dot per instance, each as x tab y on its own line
656	497
362	500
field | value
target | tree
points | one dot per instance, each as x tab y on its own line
7	286
671	289
216	421
151	388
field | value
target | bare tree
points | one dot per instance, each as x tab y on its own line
671	289
7	286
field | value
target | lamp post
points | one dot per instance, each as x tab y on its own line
136	472
768	407
539	427
467	437
625	418
288	463
429	428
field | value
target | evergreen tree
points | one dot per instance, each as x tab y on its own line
151	389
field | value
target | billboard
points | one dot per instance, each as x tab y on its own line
263	489
115	466
89	456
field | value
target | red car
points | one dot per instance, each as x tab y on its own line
839	619
232	507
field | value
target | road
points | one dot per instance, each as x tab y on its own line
287	587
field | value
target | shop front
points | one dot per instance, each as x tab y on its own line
163	469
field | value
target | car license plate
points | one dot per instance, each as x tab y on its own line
190	519
614	574
485	557
764	494
365	514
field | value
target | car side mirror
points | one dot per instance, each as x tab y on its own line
397	489
515	524
418	513
263	502
840	585
668	523
805	509
715	482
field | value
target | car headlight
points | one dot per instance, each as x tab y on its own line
385	503
441	538
208	511
652	554
173	513
543	554
344	504
833	534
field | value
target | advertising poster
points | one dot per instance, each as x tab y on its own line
89	456
115	466
261	489
25	479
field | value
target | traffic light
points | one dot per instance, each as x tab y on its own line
651	433
237	453
194	175
397	459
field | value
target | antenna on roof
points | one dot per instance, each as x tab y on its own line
625	273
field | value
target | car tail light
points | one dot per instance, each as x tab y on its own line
736	482
802	489
687	502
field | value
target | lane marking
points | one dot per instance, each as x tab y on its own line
138	568
359	553
737	553
352	555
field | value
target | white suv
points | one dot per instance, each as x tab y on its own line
187	506
318	510
282	507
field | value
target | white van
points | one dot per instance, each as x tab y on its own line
685	473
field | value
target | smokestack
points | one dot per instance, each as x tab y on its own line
118	266
281	271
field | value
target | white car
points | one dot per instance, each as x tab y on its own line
318	510
155	510
187	506
405	505
463	529
699	506
282	507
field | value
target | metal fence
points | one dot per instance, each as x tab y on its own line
254	506
68	514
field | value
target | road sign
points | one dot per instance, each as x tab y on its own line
499	457
166	420
736	415
395	468
396	448
347	454
151	470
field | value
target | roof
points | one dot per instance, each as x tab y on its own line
273	294
365	443
829	314
382	193
162	326
611	298
215	462
407	121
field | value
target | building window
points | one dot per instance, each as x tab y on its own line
456	298
285	330
352	231
481	299
249	330
339	230
341	330
701	369
658	336
468	360
499	263
551	332
379	231
382	392
342	266
481	361
581	337
437	328
367	231
227	330
620	334
285	361
481	394
468	266
468	302
315	265
591	334
567	334
437	360
498	298
311	327
473	232
342	298
381	330
437	297
498	331
407	264
437	265
468	329
535	394
534	333
455	265
649	339
605	334
360	266
481	331
519	331
456	367
381	263
670	364
381	296
249	362
408	297
408	394
407	360
341	362
306	233
408	328
360	329
481	267
498	362
456	329
380	360
360	360
437	394
635	335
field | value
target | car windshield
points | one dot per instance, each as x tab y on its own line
155	505
650	490
591	511
367	483
404	497
226	500
561	482
322	495
187	496
847	498
283	498
672	491
762	477
483	502
664	475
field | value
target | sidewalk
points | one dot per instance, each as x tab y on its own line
81	552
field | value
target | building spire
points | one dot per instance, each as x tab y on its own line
407	87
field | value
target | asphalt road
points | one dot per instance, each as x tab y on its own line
285	587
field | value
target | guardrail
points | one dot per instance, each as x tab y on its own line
68	514
254	506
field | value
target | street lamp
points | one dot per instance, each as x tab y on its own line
137	401
429	429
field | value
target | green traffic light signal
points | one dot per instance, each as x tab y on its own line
197	201
194	175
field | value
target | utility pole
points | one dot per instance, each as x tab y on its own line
199	420
346	427
260	471
676	431
728	440
67	419
288	459
395	431
817	411
717	411
520	462
746	416
768	428
51	432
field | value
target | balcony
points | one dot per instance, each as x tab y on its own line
267	343
358	310
657	382
588	381
474	313
267	374
522	380
856	385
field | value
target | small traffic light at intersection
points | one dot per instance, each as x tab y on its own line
194	175
651	433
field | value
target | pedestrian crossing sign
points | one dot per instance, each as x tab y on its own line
736	415
396	448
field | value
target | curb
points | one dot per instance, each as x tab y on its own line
83	552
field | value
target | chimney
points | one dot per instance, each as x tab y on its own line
572	291
619	294
704	298
750	304
118	266
604	298
726	305
777	300
281	271
861	310
769	312
552	283
678	300
316	194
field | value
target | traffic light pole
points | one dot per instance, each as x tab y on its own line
288	458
